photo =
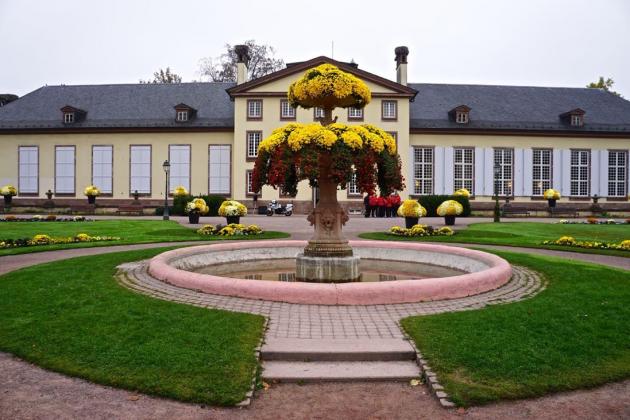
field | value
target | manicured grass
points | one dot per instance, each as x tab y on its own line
130	232
526	234
574	334
72	317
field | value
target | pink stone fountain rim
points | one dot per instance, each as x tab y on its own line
497	274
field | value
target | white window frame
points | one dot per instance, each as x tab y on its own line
179	156
389	110
68	117
577	120
318	113
617	173
287	112
248	182
254	109
65	170
253	141
580	173
142	167
355	113
103	168
423	170
219	169
353	188
182	116
464	169
504	157
461	117
542	171
28	170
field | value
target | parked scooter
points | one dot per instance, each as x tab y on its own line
275	208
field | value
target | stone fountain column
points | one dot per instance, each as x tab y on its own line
328	257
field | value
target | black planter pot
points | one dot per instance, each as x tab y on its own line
193	218
411	222
233	219
552	202
449	220
91	199
7	199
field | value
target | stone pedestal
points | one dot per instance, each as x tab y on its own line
327	269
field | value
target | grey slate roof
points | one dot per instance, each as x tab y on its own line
517	108
122	106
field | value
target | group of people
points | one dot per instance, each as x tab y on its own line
381	206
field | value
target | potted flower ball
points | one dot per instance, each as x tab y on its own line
232	210
450	209
180	191
91	192
8	191
195	209
551	196
411	210
462	192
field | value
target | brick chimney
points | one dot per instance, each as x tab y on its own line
401	64
242	60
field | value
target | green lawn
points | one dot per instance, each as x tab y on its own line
72	317
574	334
130	232
526	234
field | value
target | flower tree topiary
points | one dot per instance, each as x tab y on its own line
328	154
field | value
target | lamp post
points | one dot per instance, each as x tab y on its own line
497	209
167	167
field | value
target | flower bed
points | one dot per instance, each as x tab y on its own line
47	240
233	229
593	221
49	218
571	242
421	230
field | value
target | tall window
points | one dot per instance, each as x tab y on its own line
68	117
355	113
179	157
102	162
248	181
505	159
617	173
423	170
140	169
28	170
254	109
464	169
318	113
580	173
253	141
389	110
64	170
542	161
353	187
219	170
287	112
182	116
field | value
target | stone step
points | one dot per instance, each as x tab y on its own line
358	349
283	371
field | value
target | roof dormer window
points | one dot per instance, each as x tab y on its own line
575	117
68	117
460	114
72	115
182	116
184	113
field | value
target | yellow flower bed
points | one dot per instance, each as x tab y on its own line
462	192
551	194
197	205
8	190
449	208
326	86
232	208
42	239
92	190
421	230
411	208
233	229
180	191
570	241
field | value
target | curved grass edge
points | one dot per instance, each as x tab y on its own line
147	345
573	335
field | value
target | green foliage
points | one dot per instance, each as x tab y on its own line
605	84
164	76
72	317
574	334
432	202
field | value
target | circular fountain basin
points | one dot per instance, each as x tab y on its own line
464	272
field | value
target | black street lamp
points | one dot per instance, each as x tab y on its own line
167	167
497	209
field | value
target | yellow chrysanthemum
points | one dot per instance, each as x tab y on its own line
411	208
551	194
463	192
450	208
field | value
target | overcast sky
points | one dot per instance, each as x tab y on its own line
532	42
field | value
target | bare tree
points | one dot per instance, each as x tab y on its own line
223	68
164	76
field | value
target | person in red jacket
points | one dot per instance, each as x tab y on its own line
373	201
388	206
395	199
381	202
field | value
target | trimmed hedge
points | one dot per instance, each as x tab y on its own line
432	202
179	205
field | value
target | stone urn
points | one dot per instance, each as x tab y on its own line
7	199
233	219
411	222
91	199
552	202
449	220
193	218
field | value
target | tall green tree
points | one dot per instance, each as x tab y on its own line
605	84
164	76
223	68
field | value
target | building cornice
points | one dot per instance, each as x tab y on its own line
516	132
100	130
